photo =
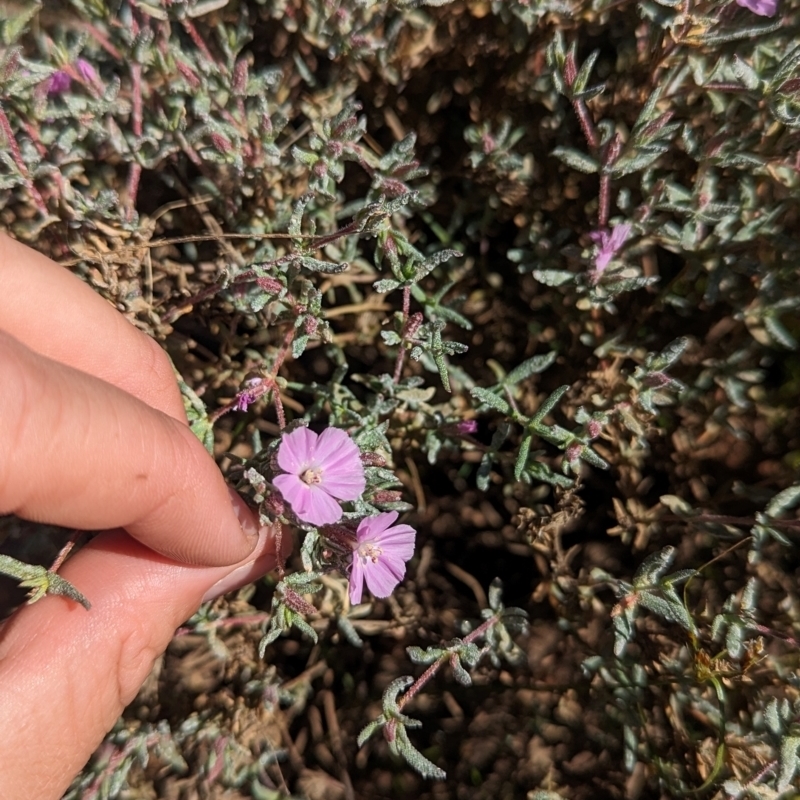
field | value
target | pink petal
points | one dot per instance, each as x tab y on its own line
337	452
356	581
292	489
383	576
86	70
398	542
321	508
620	235
334	443
309	503
296	451
765	8
372	527
344	487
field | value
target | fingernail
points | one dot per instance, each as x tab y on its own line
248	572
246	517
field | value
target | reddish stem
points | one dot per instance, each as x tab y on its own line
276	395
135	172
418	684
132	186
197	39
401	351
325	239
611	155
587	125
65	551
102	40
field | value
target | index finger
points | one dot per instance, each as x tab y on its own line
47	308
78	452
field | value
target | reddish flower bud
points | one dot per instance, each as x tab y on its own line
296	602
240	71
657	380
464	428
413	324
270	285
373	460
86	70
222	143
387	496
273	505
570	70
393	188
390	246
59	82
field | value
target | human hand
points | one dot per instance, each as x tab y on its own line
94	436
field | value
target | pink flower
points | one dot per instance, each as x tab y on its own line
86	70
254	388
608	246
764	8
466	427
59	82
380	555
319	470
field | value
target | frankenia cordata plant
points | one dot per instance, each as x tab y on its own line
454	291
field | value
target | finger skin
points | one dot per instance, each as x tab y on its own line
78	452
67	674
53	312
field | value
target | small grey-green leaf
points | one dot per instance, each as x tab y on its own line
585	71
653	567
426	656
522	457
548	405
531	366
788	761
414	758
385	285
783	501
669	355
553	277
496	595
668	608
459	673
489	398
390	694
349	632
368	730
328	267
576	159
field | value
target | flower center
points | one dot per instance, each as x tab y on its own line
370	551
312	476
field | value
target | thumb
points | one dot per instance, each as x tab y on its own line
66	674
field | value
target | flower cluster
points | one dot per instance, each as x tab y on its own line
608	245
61	80
319	470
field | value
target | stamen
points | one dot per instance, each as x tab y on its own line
370	551
312	476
